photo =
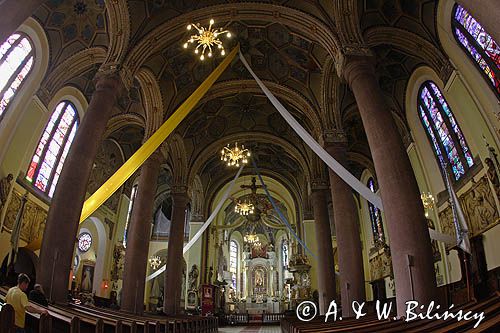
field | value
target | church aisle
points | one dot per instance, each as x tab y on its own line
251	329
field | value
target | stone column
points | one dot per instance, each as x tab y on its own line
326	264
345	215
173	274
486	12
409	238
136	255
15	13
59	237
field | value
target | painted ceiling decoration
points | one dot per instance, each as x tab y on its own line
290	44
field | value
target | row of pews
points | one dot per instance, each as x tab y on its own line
370	323
81	319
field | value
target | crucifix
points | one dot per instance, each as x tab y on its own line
253	187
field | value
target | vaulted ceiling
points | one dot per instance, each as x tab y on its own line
289	53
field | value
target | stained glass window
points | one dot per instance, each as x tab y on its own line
479	45
233	263
53	147
16	61
375	217
447	139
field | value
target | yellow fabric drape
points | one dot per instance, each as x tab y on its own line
142	154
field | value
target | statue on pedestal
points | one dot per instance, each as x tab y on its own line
193	278
5	185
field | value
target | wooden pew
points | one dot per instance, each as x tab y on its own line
7	318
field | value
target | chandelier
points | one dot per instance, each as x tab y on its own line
154	262
252	239
206	38
427	201
244	208
233	156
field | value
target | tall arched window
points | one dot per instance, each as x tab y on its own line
447	139
233	263
53	148
16	61
478	44
375	217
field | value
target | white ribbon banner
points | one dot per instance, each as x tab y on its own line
205	225
342	172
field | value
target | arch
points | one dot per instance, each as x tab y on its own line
466	71
102	244
213	149
409	43
295	98
465	112
177	156
17	61
159	37
153	102
25	93
122	120
52	149
118	30
75	66
444	133
479	46
330	96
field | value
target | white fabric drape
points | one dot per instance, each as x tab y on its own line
342	172
205	225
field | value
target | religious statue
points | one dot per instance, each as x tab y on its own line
5	185
210	274
193	278
493	176
259	281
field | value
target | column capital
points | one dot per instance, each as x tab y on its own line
179	195
319	185
156	157
110	74
333	136
353	60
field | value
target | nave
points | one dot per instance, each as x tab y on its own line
202	165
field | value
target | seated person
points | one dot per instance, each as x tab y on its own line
37	295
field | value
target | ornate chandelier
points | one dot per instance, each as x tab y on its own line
233	156
244	208
252	239
206	38
154	262
427	201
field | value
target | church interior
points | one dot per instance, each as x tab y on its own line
204	166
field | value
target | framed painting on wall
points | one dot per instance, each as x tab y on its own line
87	278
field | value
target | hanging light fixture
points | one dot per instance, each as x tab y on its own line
154	262
252	239
244	208
233	156
428	202
206	38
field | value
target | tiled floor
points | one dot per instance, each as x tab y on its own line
250	329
